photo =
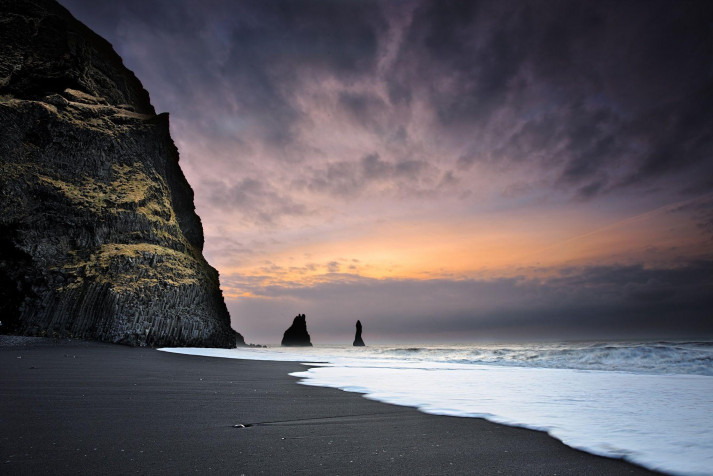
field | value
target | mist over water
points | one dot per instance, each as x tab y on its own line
648	402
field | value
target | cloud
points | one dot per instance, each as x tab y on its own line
364	108
701	211
242	59
587	98
274	47
303	121
347	179
585	302
609	94
255	200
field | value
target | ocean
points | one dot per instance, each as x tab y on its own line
650	403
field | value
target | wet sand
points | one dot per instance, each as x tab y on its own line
77	407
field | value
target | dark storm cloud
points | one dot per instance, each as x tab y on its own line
351	178
701	210
579	303
584	87
598	95
256	199
364	108
273	42
583	142
245	58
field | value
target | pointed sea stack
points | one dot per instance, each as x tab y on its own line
99	238
358	341
297	335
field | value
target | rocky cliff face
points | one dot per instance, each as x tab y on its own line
98	234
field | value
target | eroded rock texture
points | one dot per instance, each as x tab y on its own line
358	341
296	335
98	234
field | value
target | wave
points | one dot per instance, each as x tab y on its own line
695	358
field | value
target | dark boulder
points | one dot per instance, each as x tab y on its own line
358	341
297	335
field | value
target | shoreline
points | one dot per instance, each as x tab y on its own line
86	407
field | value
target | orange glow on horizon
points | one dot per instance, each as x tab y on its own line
488	248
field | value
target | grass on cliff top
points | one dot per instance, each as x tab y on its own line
90	112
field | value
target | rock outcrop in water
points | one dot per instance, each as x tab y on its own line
296	335
98	234
358	341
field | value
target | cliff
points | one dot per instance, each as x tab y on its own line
296	335
98	234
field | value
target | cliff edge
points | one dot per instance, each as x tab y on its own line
98	234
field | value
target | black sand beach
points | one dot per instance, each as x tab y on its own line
88	408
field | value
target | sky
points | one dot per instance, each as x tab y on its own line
442	171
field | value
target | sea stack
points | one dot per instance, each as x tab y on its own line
297	335
358	341
98	234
